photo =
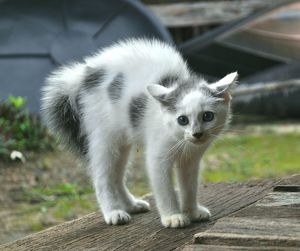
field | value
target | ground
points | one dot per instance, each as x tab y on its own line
53	187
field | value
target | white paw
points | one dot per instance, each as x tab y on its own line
175	220
117	217
139	206
200	214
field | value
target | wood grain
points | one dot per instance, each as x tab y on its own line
271	222
206	12
144	231
235	248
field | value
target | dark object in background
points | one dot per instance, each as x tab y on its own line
36	36
283	103
252	44
262	47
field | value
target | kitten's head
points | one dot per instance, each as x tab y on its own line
194	110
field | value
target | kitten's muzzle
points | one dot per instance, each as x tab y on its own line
197	135
197	138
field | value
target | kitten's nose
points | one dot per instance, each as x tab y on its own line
198	135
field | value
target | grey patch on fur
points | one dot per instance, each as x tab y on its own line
64	119
184	87
115	88
137	109
168	80
93	78
78	103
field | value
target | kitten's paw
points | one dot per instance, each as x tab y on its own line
175	221
139	206
200	214
117	217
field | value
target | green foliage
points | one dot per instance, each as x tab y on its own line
17	102
20	130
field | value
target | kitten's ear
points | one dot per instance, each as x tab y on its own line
158	92
225	84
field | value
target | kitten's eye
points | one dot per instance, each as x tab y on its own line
208	116
183	120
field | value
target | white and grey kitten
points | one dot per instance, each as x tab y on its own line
139	92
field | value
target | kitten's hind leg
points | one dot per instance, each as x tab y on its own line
107	163
131	204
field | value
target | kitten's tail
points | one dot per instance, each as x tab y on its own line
60	105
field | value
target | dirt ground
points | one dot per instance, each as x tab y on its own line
40	170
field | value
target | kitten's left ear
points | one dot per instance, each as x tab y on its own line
159	92
225	84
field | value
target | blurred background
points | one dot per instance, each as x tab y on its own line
42	184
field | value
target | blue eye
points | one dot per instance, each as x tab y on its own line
208	116
183	120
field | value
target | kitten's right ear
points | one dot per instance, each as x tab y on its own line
158	92
225	84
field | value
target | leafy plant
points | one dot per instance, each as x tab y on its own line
17	102
20	130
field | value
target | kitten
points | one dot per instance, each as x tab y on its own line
139	92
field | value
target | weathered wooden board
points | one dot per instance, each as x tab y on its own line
265	87
235	248
206	12
144	232
272	222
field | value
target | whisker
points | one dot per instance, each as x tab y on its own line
175	147
219	126
173	150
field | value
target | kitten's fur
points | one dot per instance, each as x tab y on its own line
133	93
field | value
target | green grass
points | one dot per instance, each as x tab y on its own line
66	189
244	157
60	203
67	201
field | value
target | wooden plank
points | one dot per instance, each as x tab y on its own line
145	231
276	228
266	87
278	199
273	221
276	212
230	239
286	188
235	248
206	12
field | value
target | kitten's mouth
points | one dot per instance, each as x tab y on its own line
196	142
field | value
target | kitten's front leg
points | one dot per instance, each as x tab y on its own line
187	178
161	180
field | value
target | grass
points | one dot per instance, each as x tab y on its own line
56	204
242	157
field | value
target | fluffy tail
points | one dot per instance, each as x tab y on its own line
60	107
